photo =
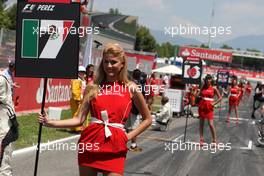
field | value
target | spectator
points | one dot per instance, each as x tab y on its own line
143	81
9	74
151	90
77	88
258	100
166	81
8	123
134	116
90	76
165	113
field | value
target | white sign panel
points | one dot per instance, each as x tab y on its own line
175	98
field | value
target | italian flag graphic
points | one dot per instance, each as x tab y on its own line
44	38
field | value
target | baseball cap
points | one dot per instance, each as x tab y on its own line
81	69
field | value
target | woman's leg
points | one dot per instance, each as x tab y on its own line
212	128
85	171
150	101
201	130
229	113
236	114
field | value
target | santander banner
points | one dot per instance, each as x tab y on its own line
241	73
29	96
206	54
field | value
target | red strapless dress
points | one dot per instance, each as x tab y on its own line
205	107
102	144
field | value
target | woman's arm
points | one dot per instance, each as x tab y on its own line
141	105
226	92
68	123
218	96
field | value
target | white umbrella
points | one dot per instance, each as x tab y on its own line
169	69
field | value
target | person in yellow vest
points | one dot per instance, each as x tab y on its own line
77	87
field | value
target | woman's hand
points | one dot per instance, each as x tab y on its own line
43	118
127	135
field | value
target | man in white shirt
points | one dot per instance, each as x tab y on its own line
165	113
6	125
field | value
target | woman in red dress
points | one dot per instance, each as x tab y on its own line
90	74
152	87
241	92
248	89
206	107
234	94
102	145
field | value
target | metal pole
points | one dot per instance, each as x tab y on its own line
186	123
1	36
220	108
40	125
211	22
91	6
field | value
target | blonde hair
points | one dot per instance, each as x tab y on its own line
112	50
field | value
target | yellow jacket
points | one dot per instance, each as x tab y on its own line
77	89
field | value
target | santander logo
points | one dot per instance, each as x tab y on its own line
55	93
206	54
186	53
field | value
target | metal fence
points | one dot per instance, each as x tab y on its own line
7	46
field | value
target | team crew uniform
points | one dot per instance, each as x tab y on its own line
206	109
109	112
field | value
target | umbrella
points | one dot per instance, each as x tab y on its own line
169	69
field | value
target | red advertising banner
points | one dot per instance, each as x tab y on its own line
206	54
29	96
241	73
143	62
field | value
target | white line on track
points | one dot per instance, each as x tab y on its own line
33	148
241	119
177	138
250	145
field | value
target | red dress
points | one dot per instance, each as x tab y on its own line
151	88
103	150
234	97
248	89
206	109
89	79
241	93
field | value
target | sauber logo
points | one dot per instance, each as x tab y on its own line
30	7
